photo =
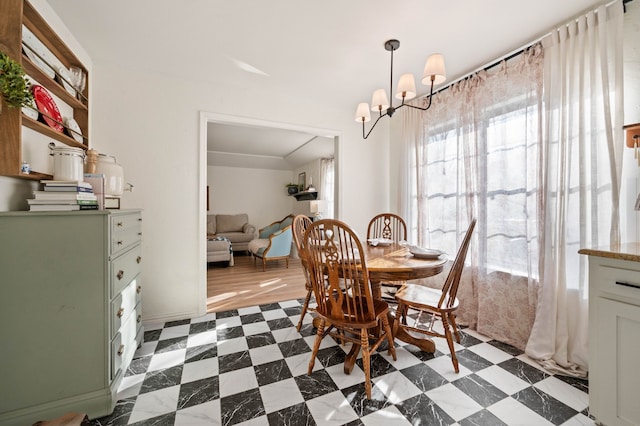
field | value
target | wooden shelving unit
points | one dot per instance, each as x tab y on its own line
16	13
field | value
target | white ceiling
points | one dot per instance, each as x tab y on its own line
263	148
331	52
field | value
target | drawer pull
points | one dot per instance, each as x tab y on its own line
120	312
120	274
138	259
120	350
119	224
628	284
139	318
139	289
139	219
119	243
139	234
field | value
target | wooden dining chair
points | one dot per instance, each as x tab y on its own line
341	286
300	224
392	227
441	304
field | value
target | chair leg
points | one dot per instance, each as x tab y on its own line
286	261
447	332
305	305
387	331
452	318
366	361
316	346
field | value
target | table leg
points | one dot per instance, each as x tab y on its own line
351	357
425	344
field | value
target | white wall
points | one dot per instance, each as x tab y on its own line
258	192
150	122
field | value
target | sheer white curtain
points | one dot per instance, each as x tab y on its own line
327	185
583	134
477	156
411	136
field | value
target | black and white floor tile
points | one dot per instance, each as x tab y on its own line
249	367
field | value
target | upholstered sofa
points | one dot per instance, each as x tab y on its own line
235	227
274	242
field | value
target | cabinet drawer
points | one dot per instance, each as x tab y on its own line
124	305
124	269
125	238
620	281
123	222
117	351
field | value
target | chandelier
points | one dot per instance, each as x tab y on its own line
434	73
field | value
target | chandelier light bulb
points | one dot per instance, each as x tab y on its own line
434	68
362	113
406	87
379	100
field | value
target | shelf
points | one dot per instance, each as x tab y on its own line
15	14
48	131
35	176
306	195
51	85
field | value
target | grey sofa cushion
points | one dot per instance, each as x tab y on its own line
230	222
237	237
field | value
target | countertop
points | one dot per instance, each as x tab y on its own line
626	251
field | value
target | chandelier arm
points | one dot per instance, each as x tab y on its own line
374	125
417	107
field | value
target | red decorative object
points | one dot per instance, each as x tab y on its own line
48	108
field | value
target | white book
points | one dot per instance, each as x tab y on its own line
33	201
47	195
60	207
66	183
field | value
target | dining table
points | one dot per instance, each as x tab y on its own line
394	262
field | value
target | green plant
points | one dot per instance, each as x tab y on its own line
14	86
291	184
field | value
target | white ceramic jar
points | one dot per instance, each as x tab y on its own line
68	162
113	174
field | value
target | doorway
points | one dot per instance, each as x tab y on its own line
206	119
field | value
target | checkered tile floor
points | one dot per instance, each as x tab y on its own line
249	367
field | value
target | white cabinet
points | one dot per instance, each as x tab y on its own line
614	337
70	311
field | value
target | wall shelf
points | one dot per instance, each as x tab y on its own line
306	195
15	14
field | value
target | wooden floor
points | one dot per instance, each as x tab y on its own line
232	287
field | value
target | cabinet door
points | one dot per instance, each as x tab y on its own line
618	379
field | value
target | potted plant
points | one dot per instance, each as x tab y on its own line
292	188
14	86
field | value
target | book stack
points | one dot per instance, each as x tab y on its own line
97	182
64	195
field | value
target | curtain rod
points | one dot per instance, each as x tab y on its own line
516	52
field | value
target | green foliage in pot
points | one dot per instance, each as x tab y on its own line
14	86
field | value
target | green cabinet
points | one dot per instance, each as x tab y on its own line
69	312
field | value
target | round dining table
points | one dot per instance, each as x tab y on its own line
394	262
